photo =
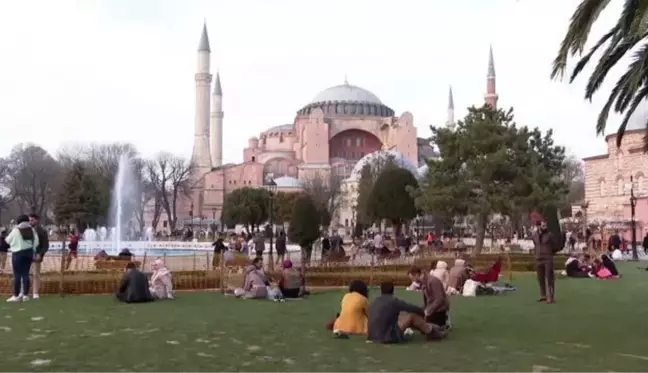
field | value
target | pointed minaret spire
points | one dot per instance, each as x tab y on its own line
218	91
216	142
203	45
491	63
491	91
451	120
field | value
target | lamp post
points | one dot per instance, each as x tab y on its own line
418	229
633	221
213	227
354	207
191	220
271	187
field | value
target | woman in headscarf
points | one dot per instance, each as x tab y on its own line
161	284
255	285
441	272
22	241
291	283
457	277
354	312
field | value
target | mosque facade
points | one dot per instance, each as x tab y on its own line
332	135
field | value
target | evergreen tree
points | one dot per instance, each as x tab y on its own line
304	224
79	198
247	206
488	166
368	176
389	198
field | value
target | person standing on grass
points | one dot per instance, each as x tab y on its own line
4	250
22	241
73	247
545	249
259	245
280	245
43	246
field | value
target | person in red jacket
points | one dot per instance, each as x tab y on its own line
73	247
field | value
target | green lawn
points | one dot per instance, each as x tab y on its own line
595	326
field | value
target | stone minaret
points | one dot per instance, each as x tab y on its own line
491	91
217	124
200	156
451	118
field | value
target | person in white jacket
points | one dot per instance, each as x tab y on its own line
23	242
161	284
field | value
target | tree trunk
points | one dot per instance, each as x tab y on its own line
481	233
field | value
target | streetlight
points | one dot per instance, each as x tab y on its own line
191	220
633	222
354	207
418	228
271	187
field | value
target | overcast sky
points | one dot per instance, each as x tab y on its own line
123	70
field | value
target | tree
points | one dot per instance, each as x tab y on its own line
247	206
78	200
488	166
283	206
304	225
144	195
368	176
31	178
628	34
325	193
389	198
170	177
103	161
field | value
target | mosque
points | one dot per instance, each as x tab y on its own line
340	130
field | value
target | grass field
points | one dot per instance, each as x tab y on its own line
595	326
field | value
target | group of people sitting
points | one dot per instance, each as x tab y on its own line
136	287
582	266
256	285
391	320
463	279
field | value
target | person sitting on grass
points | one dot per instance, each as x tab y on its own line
255	284
576	267
134	286
391	320
161	284
608	263
292	283
435	298
600	271
352	318
457	276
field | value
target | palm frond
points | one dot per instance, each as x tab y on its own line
577	33
636	73
605	111
583	61
638	99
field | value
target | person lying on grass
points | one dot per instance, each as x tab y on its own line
352	318
391	320
134	286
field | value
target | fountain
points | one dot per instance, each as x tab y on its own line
103	233
89	235
123	199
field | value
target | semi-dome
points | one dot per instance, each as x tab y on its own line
288	182
347	100
346	93
382	156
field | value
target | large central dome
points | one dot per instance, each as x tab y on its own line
346	93
347	100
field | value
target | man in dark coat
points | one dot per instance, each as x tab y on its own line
43	247
545	249
134	286
389	317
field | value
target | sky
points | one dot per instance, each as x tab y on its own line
123	70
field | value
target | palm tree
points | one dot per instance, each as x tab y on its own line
630	31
